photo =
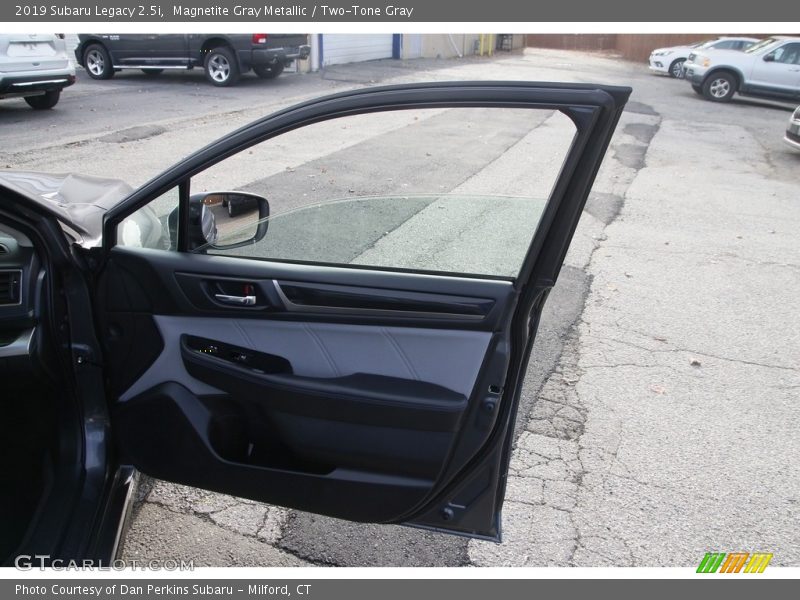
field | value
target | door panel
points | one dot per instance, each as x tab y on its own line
369	393
135	49
447	358
780	75
367	404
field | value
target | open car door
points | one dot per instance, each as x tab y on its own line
361	359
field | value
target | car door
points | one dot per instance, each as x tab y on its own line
382	388
778	72
127	48
138	49
169	49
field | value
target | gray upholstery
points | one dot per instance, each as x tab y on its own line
448	358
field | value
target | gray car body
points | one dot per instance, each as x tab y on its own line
188	50
792	136
79	202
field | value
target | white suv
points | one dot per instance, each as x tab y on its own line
669	61
769	69
35	67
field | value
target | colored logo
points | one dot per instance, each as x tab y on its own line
734	562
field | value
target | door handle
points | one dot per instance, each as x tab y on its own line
236	300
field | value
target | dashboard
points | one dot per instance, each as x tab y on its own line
21	279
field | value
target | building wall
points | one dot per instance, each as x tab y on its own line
448	45
346	48
639	47
632	46
444	45
572	41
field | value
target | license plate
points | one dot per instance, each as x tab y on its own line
30	49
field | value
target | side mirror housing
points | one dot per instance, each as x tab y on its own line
769	57
223	220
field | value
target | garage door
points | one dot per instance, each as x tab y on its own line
347	48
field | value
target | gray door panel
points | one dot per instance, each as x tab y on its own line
448	358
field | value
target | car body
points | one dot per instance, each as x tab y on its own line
768	69
374	394
223	57
35	67
669	61
792	136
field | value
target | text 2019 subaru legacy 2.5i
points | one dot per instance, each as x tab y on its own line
223	57
35	67
296	358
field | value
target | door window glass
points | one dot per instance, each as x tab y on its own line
457	190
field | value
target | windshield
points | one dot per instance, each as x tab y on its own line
756	48
704	44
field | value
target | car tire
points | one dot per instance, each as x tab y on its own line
720	86
233	209
221	67
698	89
152	72
270	72
676	68
97	62
44	102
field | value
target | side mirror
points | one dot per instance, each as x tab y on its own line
769	57
223	220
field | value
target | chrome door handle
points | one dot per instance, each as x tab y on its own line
237	300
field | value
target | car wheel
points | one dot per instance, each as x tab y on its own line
221	67
269	72
45	101
97	62
698	89
152	71
719	87
233	209
676	68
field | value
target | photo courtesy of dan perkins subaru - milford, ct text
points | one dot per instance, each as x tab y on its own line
64	589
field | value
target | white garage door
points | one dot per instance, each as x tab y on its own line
347	48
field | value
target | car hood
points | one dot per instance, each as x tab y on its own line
711	52
77	201
673	49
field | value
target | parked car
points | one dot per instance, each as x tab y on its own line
382	395
768	69
35	67
792	136
669	61
223	58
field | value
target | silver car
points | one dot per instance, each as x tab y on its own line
35	67
792	136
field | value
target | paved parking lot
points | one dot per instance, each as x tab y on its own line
660	414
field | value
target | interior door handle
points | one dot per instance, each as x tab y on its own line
236	300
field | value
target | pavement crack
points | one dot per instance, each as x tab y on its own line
674	349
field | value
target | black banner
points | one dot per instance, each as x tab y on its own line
403	11
403	589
